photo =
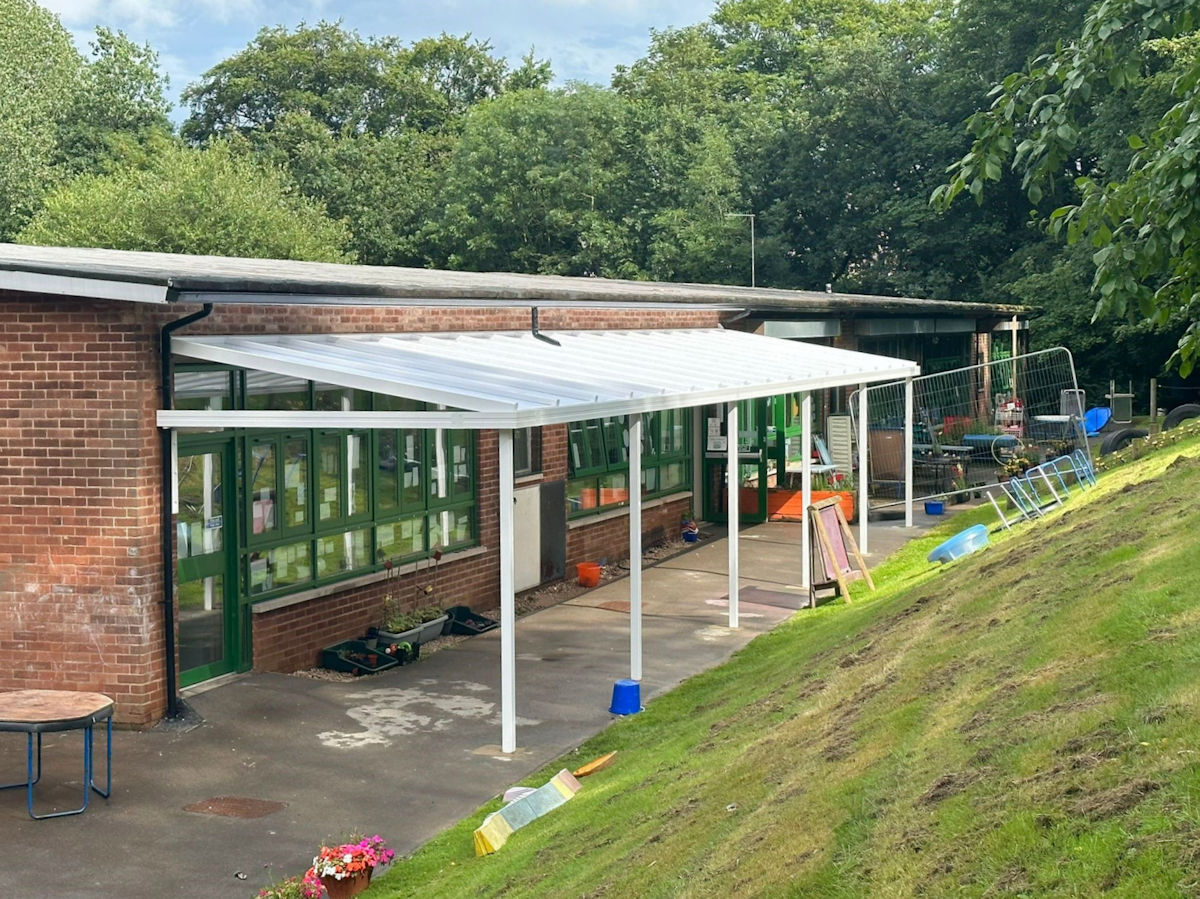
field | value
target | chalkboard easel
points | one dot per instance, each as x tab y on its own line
834	557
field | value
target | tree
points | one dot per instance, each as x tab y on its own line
210	202
119	107
39	76
347	84
1143	221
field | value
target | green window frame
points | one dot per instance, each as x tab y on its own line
321	505
598	460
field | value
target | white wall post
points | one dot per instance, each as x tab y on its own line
508	617
635	546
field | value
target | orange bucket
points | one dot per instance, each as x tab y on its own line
589	574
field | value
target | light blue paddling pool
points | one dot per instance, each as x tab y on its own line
961	544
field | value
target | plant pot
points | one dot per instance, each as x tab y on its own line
347	886
465	622
589	574
354	657
422	633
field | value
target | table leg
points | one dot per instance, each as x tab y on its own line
87	776
107	762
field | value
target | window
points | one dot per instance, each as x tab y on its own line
598	459
318	505
527	451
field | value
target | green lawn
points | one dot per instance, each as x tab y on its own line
1022	722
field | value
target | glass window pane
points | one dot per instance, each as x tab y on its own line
459	446
284	566
412	457
577	448
650	480
449	528
358	459
439	486
594	437
330	398
614	488
386	403
673	475
400	539
387	474
262	488
200	522
329	478
295	482
201	622
203	390
275	392
581	494
340	553
615	439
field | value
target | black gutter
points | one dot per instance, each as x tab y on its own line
167	491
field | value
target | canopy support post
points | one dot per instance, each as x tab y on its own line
733	489
864	477
635	546
508	617
805	485
908	452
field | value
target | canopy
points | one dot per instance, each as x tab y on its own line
504	381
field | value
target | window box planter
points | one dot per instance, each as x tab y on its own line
464	621
422	633
355	657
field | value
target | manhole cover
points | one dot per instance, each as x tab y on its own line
235	807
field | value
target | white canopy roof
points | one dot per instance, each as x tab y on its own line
516	380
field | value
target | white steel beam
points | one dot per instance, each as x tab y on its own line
805	486
864	502
908	452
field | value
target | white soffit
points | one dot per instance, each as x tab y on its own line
507	379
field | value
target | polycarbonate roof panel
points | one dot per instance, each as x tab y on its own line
506	379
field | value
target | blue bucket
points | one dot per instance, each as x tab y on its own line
626	697
934	507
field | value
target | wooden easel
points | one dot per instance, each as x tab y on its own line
832	549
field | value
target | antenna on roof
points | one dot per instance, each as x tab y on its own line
534	326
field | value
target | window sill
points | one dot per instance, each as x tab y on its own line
292	599
623	511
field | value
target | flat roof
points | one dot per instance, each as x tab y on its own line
169	277
502	379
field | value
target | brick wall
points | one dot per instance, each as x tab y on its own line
80	570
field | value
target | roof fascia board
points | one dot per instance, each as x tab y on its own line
218	297
90	288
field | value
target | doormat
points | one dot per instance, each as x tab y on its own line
615	605
235	807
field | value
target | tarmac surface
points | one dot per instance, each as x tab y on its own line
405	753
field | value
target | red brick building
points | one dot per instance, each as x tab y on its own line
283	540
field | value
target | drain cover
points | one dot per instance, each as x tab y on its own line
235	807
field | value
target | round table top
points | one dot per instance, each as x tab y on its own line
32	707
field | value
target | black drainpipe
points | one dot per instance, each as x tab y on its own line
167	491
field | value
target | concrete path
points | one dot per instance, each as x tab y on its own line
405	753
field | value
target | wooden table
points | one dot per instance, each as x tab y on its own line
45	711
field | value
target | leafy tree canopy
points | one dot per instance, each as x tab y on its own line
208	202
348	84
1143	220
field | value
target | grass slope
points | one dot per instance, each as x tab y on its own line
1023	722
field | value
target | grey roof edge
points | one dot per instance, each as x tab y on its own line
208	275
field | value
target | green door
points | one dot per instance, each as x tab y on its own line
206	551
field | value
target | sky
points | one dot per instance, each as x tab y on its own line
583	39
